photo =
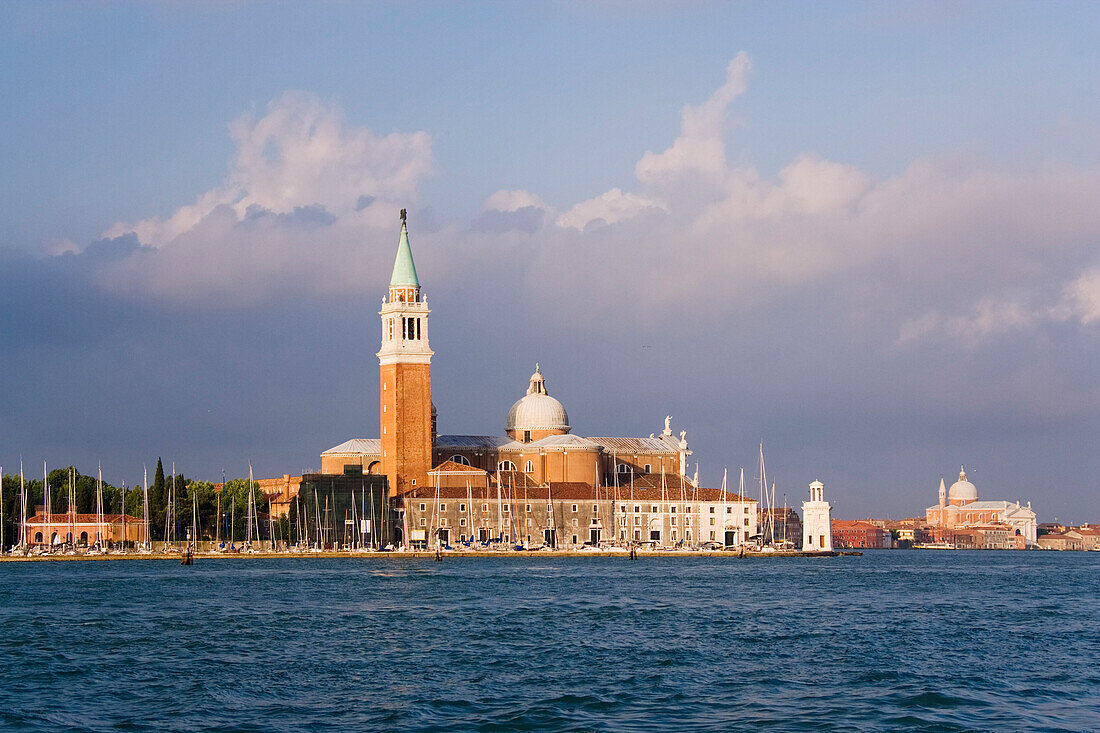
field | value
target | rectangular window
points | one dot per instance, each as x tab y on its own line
647	468
462	523
504	509
637	509
746	510
574	539
637	521
442	521
527	508
423	507
712	535
687	509
442	507
653	510
423	522
485	508
746	521
672	509
712	510
672	521
622	508
461	507
595	508
417	329
729	510
822	541
712	521
549	507
574	507
574	522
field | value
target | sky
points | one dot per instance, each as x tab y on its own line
864	234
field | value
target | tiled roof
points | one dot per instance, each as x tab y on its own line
455	467
475	442
564	441
356	446
60	520
630	446
574	491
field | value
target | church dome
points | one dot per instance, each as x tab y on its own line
962	490
537	410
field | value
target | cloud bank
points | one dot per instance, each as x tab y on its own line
954	293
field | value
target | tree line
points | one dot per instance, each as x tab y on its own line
176	493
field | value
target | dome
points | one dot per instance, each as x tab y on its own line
537	410
962	490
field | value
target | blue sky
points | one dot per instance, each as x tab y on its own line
896	245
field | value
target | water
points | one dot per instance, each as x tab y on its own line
891	640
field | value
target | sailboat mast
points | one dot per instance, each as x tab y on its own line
100	537
741	485
500	510
145	503
46	497
725	474
22	506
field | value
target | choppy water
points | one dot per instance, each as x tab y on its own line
890	640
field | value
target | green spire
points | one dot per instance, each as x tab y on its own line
404	271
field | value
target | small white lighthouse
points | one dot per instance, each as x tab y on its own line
817	526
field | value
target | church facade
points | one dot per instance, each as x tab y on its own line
537	463
958	508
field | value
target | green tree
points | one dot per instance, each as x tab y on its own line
157	501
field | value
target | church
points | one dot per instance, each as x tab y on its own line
959	508
537	457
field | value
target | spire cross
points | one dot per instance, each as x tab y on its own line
404	214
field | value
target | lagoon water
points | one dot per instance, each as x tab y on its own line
891	640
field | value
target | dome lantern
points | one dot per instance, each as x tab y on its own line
536	415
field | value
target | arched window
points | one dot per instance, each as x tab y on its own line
623	468
506	466
37	536
83	538
374	468
461	459
529	467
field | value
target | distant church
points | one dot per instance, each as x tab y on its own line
959	508
538	481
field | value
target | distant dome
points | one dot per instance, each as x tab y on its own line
962	490
537	410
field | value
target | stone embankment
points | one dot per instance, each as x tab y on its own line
427	554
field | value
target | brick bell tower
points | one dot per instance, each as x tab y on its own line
406	377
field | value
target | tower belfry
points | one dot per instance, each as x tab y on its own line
405	375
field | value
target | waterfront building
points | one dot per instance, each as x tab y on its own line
537	461
958	508
817	530
1084	537
82	529
785	520
470	505
859	534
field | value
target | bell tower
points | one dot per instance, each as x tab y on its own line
405	376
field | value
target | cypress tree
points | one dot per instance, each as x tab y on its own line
157	500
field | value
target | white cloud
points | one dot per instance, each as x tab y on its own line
699	151
505	200
301	153
609	207
1081	299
